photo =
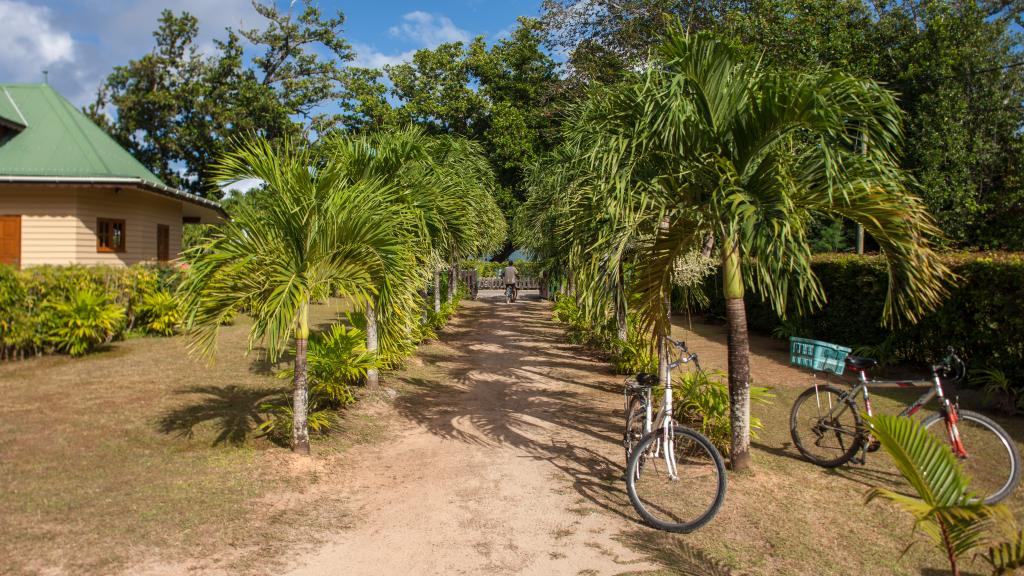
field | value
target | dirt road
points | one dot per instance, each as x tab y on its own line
508	461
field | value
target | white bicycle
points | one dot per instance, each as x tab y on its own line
675	477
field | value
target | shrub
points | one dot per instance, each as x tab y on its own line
336	360
634	355
983	317
29	299
159	313
83	321
702	403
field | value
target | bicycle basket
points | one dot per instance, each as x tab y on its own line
818	355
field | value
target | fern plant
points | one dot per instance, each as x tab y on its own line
84	321
943	507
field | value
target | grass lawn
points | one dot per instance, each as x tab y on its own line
787	516
134	451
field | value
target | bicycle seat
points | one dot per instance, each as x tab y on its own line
860	364
647	380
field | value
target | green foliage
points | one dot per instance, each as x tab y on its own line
336	361
84	321
953	63
29	300
702	402
943	507
279	418
635	355
176	104
159	313
999	391
982	317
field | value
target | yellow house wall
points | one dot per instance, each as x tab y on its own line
48	223
58	224
141	212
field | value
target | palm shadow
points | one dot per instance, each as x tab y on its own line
673	554
233	410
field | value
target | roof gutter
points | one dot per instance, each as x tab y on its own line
156	187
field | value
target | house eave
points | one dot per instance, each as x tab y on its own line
155	187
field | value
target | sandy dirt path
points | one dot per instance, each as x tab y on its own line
507	461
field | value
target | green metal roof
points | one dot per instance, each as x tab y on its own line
60	144
59	140
10	116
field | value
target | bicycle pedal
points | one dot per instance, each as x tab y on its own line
874	446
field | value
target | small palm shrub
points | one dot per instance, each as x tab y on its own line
999	391
84	321
159	313
30	299
943	506
702	403
336	361
634	355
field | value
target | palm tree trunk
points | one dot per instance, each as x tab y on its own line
664	349
621	319
372	375
437	289
739	356
300	396
453	280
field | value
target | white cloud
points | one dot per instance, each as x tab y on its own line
369	57
244	186
422	29
428	30
30	42
81	41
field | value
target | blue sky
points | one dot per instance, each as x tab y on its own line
79	41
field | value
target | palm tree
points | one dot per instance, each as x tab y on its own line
312	234
707	143
942	504
446	183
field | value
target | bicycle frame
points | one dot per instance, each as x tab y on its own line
664	418
946	408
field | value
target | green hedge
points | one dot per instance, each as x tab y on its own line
43	308
983	317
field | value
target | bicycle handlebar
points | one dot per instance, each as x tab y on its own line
685	356
952	368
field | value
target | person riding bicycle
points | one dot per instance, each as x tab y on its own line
511	275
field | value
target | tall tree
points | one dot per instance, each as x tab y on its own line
502	96
710	143
955	66
175	108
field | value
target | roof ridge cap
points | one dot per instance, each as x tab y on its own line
16	109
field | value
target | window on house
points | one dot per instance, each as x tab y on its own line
109	235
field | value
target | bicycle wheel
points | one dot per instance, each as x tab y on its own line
826	426
635	415
693	497
992	462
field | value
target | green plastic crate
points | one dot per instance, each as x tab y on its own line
817	355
